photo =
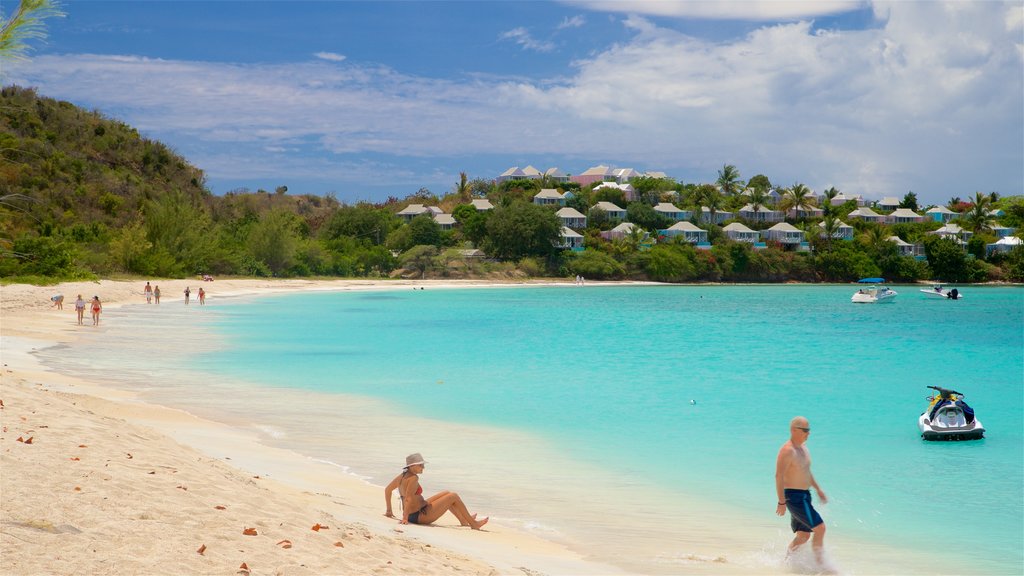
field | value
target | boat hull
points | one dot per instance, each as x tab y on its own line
971	431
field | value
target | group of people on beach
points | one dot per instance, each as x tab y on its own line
152	294
793	484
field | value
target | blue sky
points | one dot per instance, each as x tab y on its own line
371	99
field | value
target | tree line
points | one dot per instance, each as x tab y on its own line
83	195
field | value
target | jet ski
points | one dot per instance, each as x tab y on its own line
948	417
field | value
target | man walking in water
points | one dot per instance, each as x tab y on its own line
793	481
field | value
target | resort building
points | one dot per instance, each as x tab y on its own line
549	197
620	231
842	198
445	221
760	214
867	215
689	232
516	173
785	234
805	211
905	248
570	240
627	189
671	212
740	233
1002	231
571	218
413	210
594	174
888	204
941	214
843	231
613	211
997	213
661	175
624	175
904	216
482	204
720	215
1003	245
556	175
953	231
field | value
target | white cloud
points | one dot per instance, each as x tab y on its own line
751	10
330	56
931	101
522	37
574	22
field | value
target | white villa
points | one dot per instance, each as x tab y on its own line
620	231
867	215
571	239
689	231
842	198
888	203
843	231
720	215
548	197
413	210
761	214
627	189
556	175
902	248
785	234
482	204
904	216
805	211
571	218
671	212
445	221
613	211
953	231
740	233
1003	245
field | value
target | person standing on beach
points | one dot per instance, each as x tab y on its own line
187	294
202	296
148	291
793	481
97	307
418	510
156	294
80	309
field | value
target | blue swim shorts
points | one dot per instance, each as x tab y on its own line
803	516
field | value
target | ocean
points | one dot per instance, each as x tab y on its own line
637	424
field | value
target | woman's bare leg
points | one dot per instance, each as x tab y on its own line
453	503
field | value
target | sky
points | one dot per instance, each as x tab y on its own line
367	100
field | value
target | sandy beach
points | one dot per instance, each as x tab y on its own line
96	482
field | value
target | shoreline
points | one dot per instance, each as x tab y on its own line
259	456
188	441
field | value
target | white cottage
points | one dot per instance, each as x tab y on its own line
571	217
688	231
740	233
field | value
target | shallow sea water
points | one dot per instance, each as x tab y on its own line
638	424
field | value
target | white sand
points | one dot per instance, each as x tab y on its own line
103	487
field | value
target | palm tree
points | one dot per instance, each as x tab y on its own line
758	199
829	226
874	237
26	23
463	188
729	180
953	203
797	198
976	217
707	196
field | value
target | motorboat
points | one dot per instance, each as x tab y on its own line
940	292
948	417
874	293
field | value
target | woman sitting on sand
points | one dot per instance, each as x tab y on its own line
416	509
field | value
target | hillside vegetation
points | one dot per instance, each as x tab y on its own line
83	195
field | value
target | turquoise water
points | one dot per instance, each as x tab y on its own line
601	379
608	374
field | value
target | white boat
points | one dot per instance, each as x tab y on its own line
948	417
874	293
940	292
